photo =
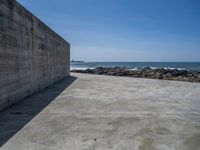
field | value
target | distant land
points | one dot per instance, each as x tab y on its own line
76	61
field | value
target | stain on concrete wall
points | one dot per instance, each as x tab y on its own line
32	56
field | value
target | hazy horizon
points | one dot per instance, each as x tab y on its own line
125	30
141	61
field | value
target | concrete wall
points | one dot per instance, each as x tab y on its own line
32	56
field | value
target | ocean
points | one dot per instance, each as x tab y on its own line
136	65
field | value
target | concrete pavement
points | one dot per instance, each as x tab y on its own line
107	113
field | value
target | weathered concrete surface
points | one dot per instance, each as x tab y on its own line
115	113
16	117
32	56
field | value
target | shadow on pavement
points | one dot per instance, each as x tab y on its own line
16	117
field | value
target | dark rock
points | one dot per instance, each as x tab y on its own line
146	68
147	72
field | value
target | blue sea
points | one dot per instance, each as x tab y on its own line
137	65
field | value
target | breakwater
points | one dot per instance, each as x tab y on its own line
147	72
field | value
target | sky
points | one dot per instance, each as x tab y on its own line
124	30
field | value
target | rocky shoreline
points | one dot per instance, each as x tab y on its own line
147	72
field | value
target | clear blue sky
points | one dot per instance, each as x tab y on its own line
124	30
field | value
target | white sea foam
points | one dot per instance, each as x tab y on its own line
136	68
181	69
133	69
153	68
80	68
170	68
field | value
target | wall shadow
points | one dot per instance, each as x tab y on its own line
16	117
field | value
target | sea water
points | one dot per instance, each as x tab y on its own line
136	65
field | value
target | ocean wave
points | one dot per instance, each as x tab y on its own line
153	68
170	68
132	69
140	68
80	68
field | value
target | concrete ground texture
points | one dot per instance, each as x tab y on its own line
91	112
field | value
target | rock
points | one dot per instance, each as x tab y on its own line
147	72
146	68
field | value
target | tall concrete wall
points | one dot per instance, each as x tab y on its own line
32	56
